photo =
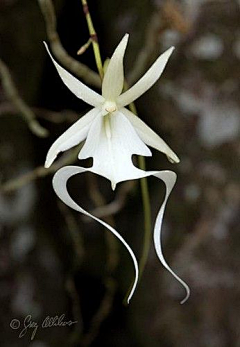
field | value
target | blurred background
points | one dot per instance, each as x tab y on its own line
54	261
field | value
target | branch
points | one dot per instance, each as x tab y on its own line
148	49
117	204
20	105
74	232
40	171
94	38
169	17
79	69
6	108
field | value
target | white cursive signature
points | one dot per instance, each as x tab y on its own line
48	322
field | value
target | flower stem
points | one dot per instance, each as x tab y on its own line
94	38
147	215
147	219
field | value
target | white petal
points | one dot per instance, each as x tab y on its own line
59	184
111	142
149	136
146	82
72	136
114	77
78	88
169	178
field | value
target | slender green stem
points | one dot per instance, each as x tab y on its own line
147	219
93	37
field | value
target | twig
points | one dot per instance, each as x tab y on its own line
99	200
6	108
57	117
169	17
72	225
79	69
84	47
148	49
94	38
117	204
40	171
20	105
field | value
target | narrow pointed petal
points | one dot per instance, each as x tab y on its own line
169	178
60	186
75	86
72	136
149	137
114	77
146	82
111	142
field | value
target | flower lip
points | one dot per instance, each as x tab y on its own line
109	107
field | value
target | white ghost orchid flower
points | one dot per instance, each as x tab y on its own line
113	134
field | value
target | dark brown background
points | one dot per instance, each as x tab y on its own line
195	108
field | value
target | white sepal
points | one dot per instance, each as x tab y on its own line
149	137
113	80
60	186
72	136
146	82
78	88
